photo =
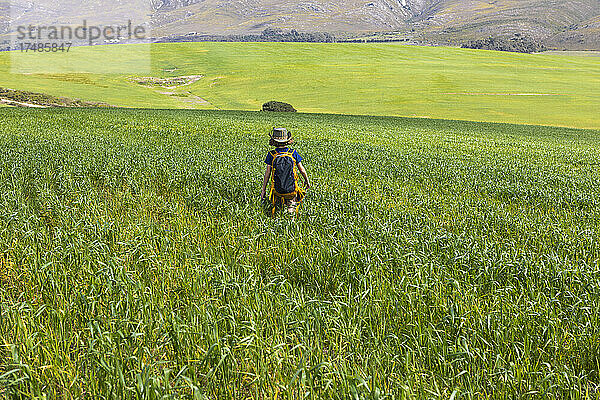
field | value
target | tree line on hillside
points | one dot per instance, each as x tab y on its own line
268	35
517	43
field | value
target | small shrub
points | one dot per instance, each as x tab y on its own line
278	106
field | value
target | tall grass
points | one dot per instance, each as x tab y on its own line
432	259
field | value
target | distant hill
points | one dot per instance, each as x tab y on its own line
569	24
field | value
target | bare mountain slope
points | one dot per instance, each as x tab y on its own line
536	18
566	21
250	16
580	36
441	20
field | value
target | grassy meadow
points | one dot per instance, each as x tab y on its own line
366	79
431	259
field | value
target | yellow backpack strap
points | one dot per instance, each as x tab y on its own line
274	155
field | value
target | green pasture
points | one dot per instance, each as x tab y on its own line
365	79
431	259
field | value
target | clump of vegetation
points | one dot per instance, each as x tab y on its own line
517	43
21	98
431	259
278	106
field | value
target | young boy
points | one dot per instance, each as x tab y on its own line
281	164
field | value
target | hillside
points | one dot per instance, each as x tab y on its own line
582	36
375	79
217	16
534	18
4	23
545	21
564	23
447	19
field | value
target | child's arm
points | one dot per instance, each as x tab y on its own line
304	175
263	193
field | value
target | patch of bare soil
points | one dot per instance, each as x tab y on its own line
167	83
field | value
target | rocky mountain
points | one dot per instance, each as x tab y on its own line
578	36
533	18
566	23
252	16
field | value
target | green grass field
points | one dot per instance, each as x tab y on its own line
431	259
365	79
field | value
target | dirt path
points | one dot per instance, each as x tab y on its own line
190	99
20	104
193	99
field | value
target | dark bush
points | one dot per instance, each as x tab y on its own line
278	106
517	43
